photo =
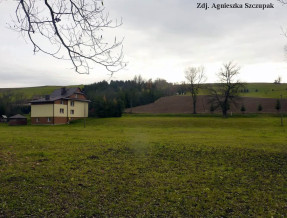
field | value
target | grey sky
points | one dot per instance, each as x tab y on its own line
162	38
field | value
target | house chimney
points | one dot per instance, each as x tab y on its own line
47	97
63	91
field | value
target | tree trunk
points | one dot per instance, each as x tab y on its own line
194	107
224	113
194	99
224	109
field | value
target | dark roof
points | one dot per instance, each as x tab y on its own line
17	116
57	94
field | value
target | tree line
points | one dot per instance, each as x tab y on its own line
110	99
11	104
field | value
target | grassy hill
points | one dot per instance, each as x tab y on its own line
260	90
30	92
265	90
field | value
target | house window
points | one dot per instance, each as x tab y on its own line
49	119
62	102
61	110
76	96
72	103
37	120
72	112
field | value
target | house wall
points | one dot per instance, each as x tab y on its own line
44	120
42	110
81	109
60	120
57	108
78	96
16	122
65	102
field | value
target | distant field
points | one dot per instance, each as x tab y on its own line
261	90
265	90
142	165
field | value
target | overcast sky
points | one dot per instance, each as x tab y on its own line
161	39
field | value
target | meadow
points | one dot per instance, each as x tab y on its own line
141	165
258	90
30	92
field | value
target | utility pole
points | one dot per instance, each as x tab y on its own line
84	114
281	113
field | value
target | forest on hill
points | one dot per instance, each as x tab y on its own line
110	99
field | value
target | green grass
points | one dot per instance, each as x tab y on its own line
145	166
260	90
265	90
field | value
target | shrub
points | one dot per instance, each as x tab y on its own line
278	105
259	108
212	108
242	109
102	107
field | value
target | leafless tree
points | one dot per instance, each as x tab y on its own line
195	77
225	93
70	30
278	80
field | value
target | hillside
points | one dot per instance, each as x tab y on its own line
183	104
31	92
258	90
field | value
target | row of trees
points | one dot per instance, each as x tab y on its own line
110	99
222	94
11	104
260	107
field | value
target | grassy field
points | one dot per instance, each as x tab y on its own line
145	166
259	90
265	90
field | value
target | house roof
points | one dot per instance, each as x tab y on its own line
57	94
17	116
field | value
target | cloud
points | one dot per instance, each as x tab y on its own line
162	38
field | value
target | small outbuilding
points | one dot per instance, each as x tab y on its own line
3	119
17	120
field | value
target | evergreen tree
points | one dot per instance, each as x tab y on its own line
259	108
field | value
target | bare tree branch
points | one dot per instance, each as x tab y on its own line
70	30
195	77
225	93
